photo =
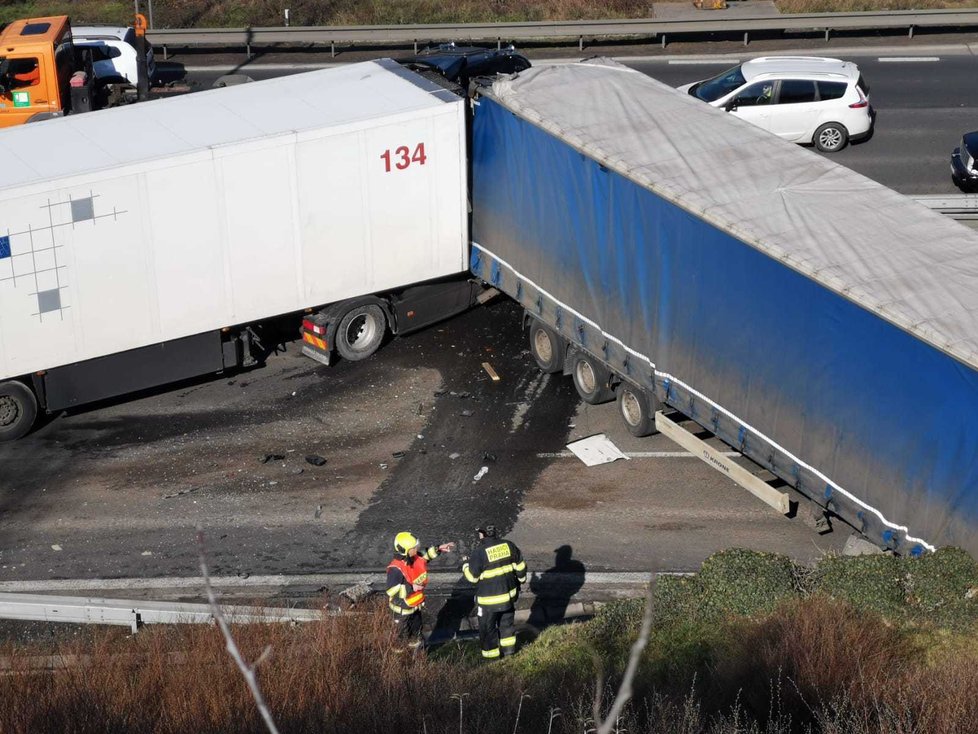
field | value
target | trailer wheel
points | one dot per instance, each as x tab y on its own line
591	379
18	409
636	409
360	332
547	347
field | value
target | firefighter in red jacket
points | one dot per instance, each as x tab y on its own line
407	576
498	570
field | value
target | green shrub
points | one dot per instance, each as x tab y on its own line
938	587
872	583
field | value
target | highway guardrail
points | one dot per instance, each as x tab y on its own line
580	30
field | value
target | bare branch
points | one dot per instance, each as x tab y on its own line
248	671
625	689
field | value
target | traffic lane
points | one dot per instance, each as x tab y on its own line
913	156
118	491
922	110
663	509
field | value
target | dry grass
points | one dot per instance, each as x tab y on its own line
814	666
259	13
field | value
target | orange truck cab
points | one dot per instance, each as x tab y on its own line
37	60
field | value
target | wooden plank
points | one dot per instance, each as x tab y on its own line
492	373
760	489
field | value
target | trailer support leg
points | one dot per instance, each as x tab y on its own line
746	38
910	33
760	489
580	43
332	49
499	43
663	40
827	31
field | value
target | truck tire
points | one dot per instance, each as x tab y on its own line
591	378
18	409
360	332
831	137
547	347
636	409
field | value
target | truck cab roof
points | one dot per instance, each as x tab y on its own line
32	33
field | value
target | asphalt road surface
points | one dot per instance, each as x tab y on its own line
118	490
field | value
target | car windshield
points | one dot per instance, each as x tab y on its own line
719	86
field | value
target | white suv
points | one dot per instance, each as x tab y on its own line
803	99
114	52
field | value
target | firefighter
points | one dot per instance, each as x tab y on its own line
498	570
407	575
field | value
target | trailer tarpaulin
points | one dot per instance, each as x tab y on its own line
827	313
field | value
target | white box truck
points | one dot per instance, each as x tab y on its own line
132	260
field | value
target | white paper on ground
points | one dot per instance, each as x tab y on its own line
595	450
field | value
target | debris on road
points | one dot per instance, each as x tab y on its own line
486	456
398	454
271	457
481	473
492	373
56	547
383	466
319	512
181	492
356	593
298	470
453	455
595	450
315	459
466	414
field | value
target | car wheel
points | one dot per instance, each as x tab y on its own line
831	137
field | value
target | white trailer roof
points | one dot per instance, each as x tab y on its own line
195	122
913	267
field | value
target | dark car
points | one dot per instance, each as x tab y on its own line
963	170
461	64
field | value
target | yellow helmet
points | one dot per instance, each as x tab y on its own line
403	542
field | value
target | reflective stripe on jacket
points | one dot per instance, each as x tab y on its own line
497	569
406	579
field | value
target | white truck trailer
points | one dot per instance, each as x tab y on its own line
133	260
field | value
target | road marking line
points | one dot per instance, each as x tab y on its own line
635	454
907	59
695	62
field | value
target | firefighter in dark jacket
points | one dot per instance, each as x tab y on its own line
498	570
407	576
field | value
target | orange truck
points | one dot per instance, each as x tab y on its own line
44	74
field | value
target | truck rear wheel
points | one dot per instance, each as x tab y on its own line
547	347
591	379
360	332
636	409
18	409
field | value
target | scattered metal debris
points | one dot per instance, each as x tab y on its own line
271	457
597	449
315	459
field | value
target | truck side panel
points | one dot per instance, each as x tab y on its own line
152	252
689	310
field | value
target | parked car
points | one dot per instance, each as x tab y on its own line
963	170
460	64
803	99
113	52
